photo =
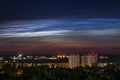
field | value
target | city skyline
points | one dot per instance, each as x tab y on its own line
54	27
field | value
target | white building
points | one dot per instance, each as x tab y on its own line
88	60
74	61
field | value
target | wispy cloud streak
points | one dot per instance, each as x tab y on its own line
65	32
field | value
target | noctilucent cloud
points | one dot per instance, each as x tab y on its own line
56	34
56	26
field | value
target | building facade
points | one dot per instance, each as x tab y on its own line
74	61
89	59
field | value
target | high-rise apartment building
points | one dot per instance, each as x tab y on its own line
89	59
74	60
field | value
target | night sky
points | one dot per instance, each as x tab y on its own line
56	26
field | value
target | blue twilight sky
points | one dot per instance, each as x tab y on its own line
59	26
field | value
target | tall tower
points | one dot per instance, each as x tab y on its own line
74	61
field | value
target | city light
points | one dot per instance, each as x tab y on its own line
20	55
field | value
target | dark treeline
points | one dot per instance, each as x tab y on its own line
56	73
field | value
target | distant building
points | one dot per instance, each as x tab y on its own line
89	59
101	65
74	61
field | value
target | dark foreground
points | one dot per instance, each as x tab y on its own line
111	72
